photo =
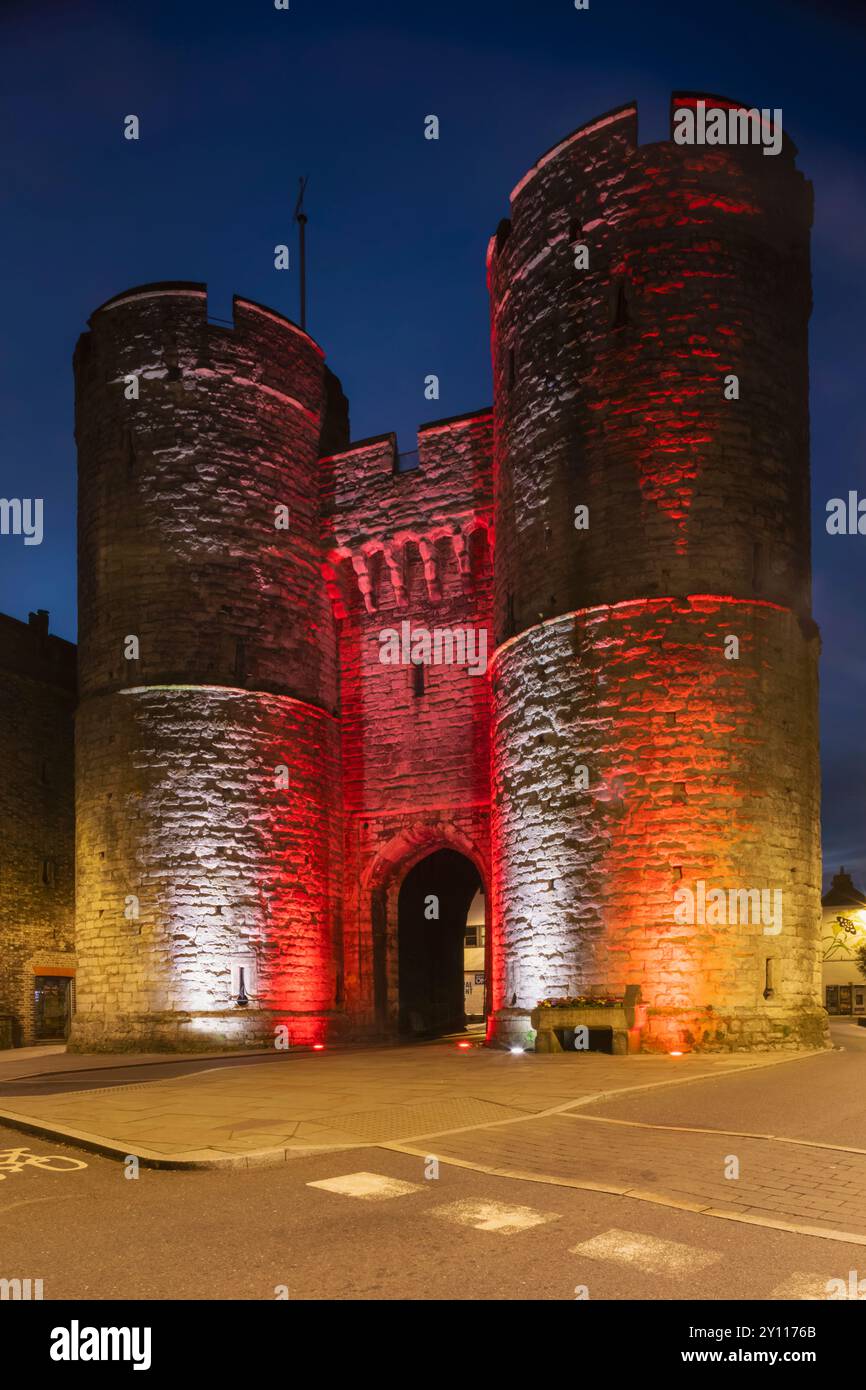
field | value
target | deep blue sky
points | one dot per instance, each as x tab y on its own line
237	99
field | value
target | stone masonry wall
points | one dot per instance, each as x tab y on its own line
407	547
178	493
687	782
632	752
609	381
195	857
613	626
37	702
183	545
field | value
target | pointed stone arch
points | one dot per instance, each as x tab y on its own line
381	885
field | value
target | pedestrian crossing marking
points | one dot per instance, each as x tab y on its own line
649	1254
369	1187
494	1216
812	1287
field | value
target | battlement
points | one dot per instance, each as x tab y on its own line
245	312
366	496
690	100
373	512
599	184
622	121
617	131
29	649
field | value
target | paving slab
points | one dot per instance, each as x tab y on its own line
812	1188
229	1113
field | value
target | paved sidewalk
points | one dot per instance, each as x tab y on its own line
270	1111
788	1185
17	1061
537	1119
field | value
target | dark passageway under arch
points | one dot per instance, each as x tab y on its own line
430	947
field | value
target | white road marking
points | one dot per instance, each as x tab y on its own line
494	1216
370	1187
646	1253
13	1160
29	1201
803	1286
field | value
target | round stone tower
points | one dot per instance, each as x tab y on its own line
655	766
207	750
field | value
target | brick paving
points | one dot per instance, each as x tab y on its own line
309	1101
779	1183
524	1117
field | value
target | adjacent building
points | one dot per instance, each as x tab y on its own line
843	935
37	832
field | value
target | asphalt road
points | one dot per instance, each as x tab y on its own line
90	1233
97	1078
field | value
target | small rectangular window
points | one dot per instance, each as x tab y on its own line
240	662
757	567
418	680
620	316
49	873
129	452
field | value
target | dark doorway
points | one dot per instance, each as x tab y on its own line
51	999
432	908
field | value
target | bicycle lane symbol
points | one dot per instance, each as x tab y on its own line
14	1160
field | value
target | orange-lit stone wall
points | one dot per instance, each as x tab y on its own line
627	533
655	691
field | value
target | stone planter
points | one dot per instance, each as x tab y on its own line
624	1020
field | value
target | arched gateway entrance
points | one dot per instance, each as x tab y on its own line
432	910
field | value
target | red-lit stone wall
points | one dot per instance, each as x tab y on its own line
614	638
648	720
410	547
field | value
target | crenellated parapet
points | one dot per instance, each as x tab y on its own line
388	533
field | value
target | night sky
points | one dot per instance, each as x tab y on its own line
237	99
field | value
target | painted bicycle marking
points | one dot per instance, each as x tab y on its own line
14	1160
